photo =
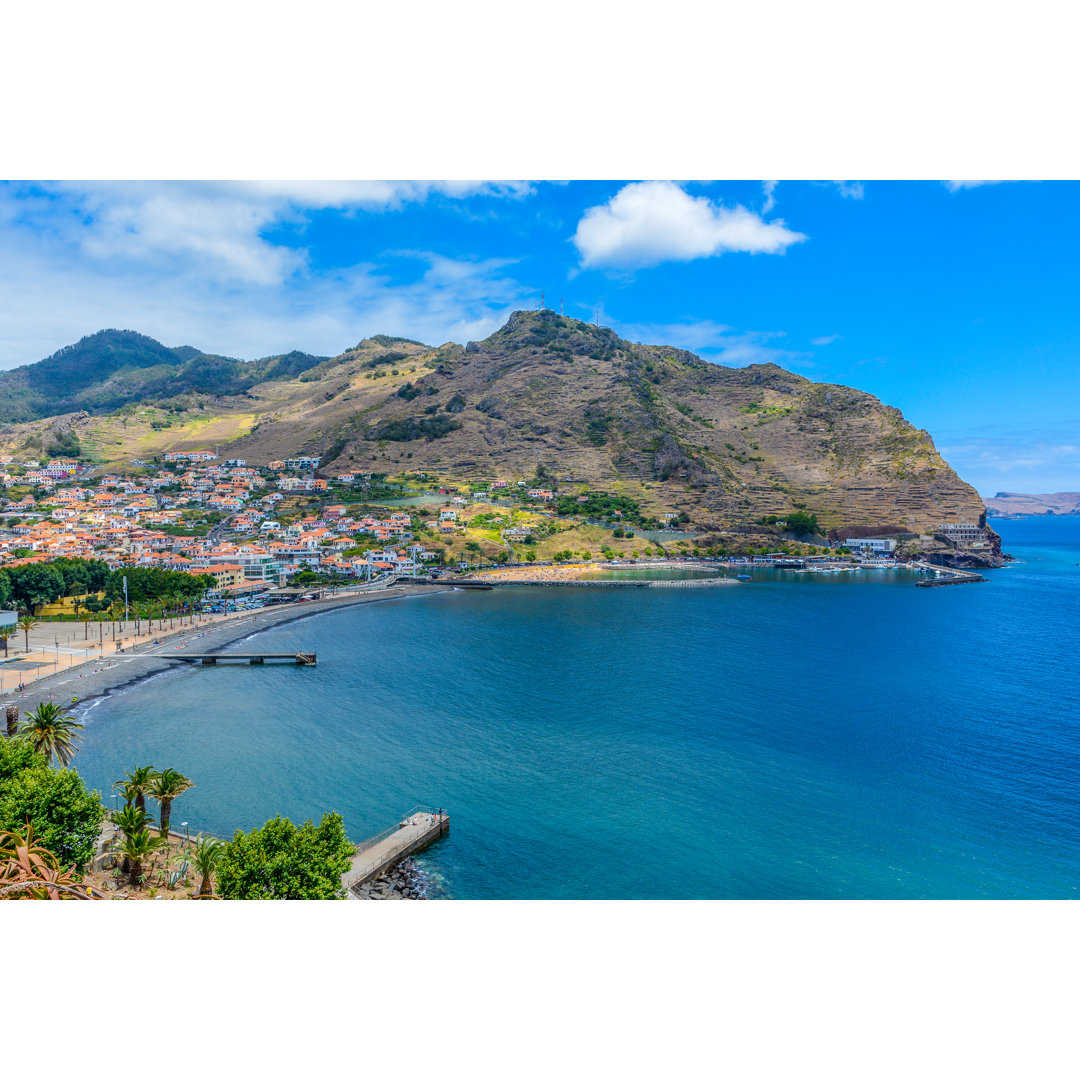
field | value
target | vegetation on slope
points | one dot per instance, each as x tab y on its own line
111	368
655	424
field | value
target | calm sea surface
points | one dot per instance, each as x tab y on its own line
836	736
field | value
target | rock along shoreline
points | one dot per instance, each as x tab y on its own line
405	881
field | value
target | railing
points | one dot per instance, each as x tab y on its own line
364	869
366	845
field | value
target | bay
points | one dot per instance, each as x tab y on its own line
800	736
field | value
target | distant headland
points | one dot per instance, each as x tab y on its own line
1013	504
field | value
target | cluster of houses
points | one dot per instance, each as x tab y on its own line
123	521
35	474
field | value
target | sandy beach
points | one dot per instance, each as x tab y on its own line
89	674
565	571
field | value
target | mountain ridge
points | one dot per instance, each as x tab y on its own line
112	368
545	396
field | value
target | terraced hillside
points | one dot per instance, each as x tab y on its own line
564	399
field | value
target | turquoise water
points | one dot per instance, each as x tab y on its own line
801	736
639	572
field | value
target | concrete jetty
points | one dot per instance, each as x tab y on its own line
416	830
301	658
945	575
692	583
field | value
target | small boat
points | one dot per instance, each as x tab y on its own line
743	577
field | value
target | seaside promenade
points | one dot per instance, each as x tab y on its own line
61	664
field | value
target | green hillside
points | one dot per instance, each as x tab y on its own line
112	368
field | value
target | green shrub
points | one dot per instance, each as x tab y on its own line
66	817
282	862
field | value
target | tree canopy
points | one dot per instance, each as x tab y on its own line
27	587
282	862
66	817
152	583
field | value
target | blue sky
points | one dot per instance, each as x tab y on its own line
955	302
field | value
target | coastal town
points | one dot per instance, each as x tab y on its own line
201	515
256	529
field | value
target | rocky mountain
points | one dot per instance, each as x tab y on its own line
1011	504
552	397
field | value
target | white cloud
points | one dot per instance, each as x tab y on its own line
849	189
960	185
826	339
324	194
718	343
750	348
49	299
218	225
656	221
768	187
692	334
998	457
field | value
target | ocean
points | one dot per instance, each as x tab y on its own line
837	736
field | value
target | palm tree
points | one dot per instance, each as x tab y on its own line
136	785
131	822
5	633
168	785
51	732
208	854
137	847
173	602
26	624
127	792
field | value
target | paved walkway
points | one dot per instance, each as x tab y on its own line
55	647
420	828
72	666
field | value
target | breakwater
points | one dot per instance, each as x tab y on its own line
586	583
572	583
946	576
406	881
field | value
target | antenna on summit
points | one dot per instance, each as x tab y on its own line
541	301
560	307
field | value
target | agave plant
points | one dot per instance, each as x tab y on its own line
29	871
172	876
168	785
208	854
51	732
